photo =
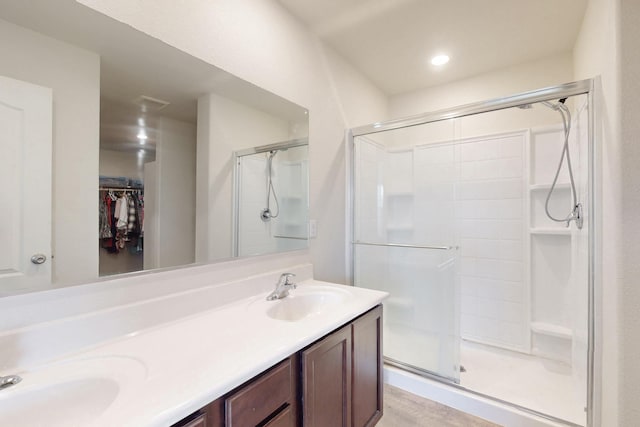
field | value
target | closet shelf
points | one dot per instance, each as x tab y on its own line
559	186
557	331
551	231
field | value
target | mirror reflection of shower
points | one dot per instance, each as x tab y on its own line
266	214
271	200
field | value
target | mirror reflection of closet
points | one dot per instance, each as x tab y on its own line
147	177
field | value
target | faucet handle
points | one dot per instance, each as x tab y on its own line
286	277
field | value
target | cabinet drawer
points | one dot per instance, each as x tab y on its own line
284	419
194	420
262	397
201	421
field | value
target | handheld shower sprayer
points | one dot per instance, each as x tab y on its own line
266	213
576	211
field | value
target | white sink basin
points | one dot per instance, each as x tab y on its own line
302	303
68	394
83	400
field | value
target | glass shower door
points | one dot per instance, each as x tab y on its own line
404	245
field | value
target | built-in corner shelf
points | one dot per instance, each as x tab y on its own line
399	194
551	231
400	227
547	186
551	330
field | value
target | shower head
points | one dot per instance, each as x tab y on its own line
554	106
272	153
557	105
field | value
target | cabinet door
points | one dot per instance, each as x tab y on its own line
326	379
367	369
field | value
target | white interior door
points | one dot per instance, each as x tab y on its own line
25	186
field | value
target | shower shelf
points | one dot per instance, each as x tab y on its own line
551	231
399	194
551	330
559	186
400	227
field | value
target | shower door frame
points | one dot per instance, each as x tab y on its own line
589	87
235	236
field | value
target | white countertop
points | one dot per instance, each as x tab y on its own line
160	374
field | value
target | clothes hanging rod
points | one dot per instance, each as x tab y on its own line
398	245
120	189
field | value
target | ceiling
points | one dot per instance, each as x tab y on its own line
392	41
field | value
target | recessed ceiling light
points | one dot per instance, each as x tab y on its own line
141	136
439	60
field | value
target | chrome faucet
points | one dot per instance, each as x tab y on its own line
9	380
282	288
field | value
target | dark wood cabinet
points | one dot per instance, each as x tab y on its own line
367	390
286	418
335	382
195	420
264	397
326	381
342	375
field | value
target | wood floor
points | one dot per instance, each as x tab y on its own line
402	409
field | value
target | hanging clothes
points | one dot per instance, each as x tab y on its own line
120	220
105	224
122	213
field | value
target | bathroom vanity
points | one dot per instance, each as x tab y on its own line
336	381
195	347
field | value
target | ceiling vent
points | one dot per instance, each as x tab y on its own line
150	105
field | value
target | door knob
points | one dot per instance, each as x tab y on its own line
38	258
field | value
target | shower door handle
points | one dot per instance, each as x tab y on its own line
400	245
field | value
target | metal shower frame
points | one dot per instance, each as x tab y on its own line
589	87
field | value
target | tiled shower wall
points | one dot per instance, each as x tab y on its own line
490	223
470	193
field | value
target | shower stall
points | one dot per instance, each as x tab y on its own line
271	198
479	222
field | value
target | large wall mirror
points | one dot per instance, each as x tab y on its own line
184	159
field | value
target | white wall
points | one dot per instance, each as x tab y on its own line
597	53
151	256
630	248
261	42
508	81
74	76
121	163
176	180
225	126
